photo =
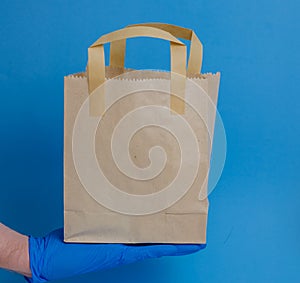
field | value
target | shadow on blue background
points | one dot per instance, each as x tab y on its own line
253	229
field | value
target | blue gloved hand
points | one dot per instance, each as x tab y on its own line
51	258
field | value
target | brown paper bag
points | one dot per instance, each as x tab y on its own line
137	144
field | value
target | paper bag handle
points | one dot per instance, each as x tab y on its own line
96	64
117	48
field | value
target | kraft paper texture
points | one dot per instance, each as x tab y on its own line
99	94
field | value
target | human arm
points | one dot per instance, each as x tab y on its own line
14	253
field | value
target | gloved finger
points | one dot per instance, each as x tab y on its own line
140	252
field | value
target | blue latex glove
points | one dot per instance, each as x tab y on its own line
51	258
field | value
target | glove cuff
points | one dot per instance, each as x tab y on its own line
36	247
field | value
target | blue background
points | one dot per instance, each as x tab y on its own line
254	228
